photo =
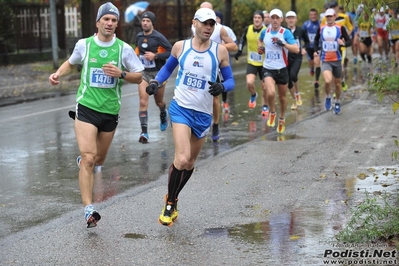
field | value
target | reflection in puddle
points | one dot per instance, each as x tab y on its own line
296	237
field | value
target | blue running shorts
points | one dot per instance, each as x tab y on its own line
199	122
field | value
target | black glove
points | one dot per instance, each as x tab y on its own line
216	88
280	42
152	88
238	54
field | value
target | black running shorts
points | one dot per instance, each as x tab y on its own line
103	122
256	70
280	76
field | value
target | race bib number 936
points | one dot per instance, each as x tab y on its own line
193	81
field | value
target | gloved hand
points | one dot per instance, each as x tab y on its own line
261	50
152	88
238	54
216	88
279	42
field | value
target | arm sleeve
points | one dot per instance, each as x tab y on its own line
316	40
167	69
243	39
305	38
165	44
344	33
228	78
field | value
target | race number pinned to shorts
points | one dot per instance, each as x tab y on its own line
100	80
194	81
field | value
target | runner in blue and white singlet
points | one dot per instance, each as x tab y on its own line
195	69
219	36
199	60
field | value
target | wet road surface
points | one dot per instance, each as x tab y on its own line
39	152
39	149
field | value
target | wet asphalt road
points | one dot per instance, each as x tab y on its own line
42	198
39	149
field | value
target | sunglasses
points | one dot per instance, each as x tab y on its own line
209	22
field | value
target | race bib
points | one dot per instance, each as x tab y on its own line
100	80
363	34
394	33
330	46
273	55
255	57
311	37
147	63
194	81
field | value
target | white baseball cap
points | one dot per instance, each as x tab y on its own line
329	12
204	14
276	12
290	14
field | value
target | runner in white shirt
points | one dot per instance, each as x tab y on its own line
220	36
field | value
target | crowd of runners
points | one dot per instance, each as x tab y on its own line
275	46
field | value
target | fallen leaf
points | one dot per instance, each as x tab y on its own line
294	237
362	176
323	176
371	169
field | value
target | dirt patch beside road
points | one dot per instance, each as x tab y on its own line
30	81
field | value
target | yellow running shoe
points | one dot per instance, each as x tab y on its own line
271	122
344	86
175	212
281	126
298	99
166	215
294	106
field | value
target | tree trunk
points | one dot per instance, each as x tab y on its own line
88	25
227	15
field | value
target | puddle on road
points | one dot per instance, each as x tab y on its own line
380	183
288	238
378	180
134	236
303	235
